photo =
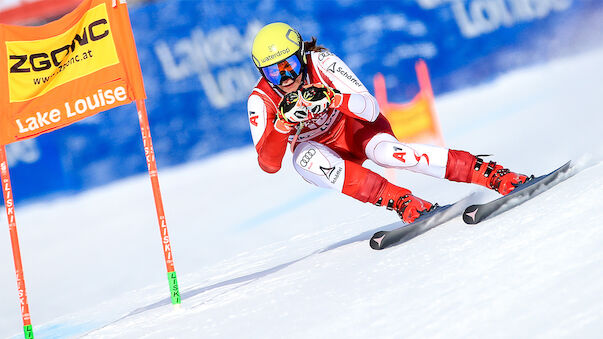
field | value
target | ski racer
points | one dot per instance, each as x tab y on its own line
309	98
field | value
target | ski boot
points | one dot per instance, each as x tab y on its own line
496	177
464	167
401	200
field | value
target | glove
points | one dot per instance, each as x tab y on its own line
305	104
409	207
291	111
318	98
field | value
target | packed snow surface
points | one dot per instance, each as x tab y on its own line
270	256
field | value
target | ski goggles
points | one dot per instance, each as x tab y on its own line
288	68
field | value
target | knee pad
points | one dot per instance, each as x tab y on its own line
319	165
385	150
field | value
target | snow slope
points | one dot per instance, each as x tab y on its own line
270	256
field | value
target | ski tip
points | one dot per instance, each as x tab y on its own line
377	240
469	216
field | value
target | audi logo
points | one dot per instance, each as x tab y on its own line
306	157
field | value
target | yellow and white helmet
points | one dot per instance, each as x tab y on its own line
278	52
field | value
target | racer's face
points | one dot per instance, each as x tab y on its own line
290	85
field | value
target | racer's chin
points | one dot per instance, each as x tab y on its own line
289	85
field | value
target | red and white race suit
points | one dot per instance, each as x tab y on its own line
331	148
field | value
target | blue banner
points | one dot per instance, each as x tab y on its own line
195	58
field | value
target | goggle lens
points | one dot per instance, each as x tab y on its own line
288	68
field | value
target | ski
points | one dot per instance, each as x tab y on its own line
427	221
531	188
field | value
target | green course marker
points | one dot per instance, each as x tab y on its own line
174	292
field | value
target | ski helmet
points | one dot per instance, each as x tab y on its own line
278	52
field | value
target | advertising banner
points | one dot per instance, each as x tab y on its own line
65	71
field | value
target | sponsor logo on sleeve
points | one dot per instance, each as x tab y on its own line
253	118
333	68
323	55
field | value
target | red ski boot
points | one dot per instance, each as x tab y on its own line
367	186
408	207
465	167
496	177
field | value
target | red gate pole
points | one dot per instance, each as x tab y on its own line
9	203
152	166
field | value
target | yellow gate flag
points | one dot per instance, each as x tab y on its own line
56	74
414	121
